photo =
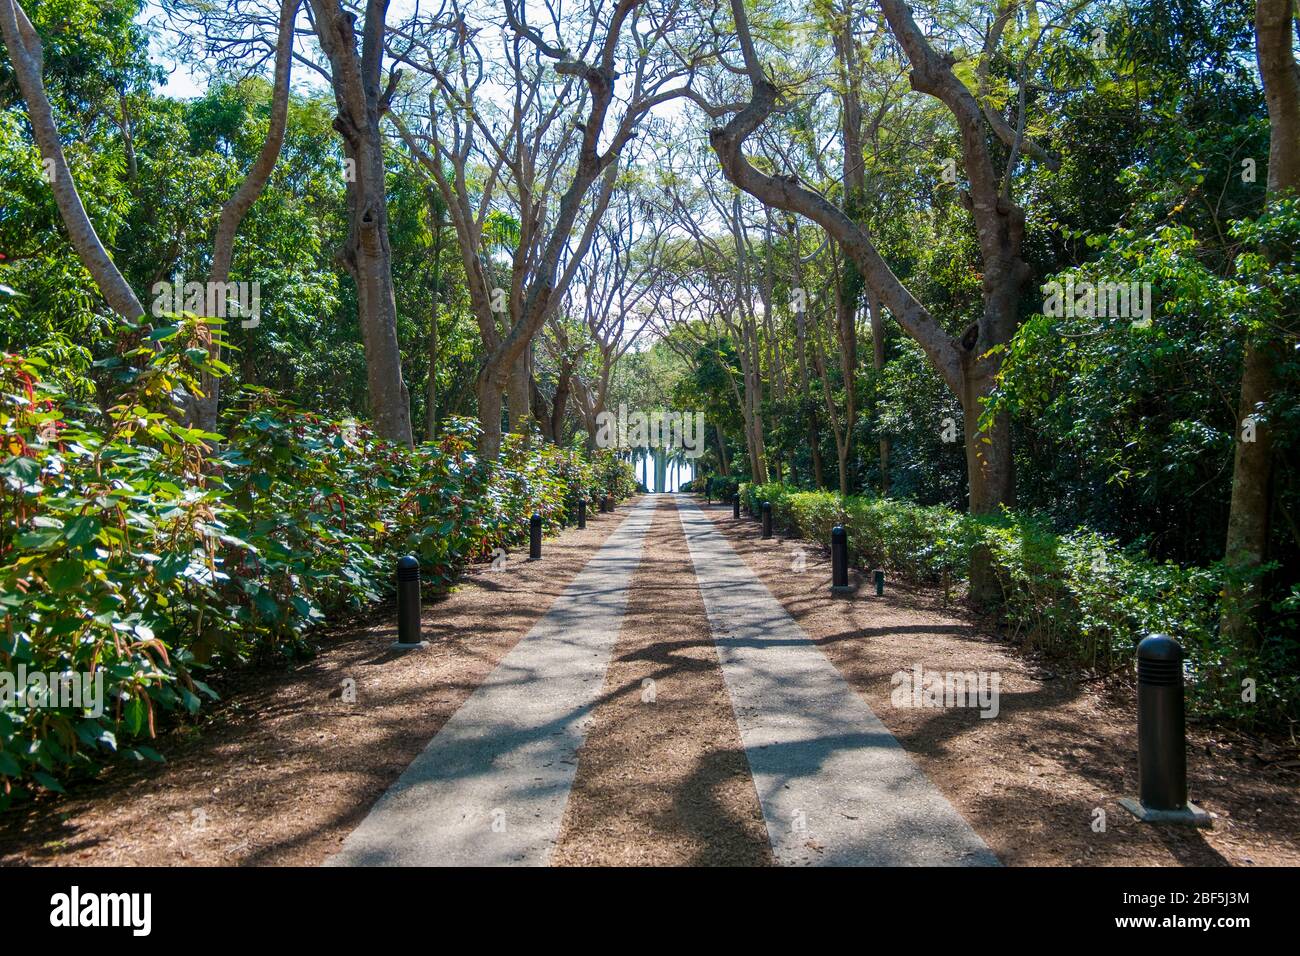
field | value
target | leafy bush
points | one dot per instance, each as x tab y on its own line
614	476
1075	594
723	487
128	549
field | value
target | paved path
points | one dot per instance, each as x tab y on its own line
835	786
491	786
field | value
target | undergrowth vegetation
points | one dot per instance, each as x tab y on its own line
129	550
1078	595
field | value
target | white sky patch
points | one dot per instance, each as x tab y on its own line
182	82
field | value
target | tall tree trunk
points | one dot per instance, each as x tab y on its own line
541	411
966	364
846	316
368	258
439	222
124	124
757	446
807	406
989	463
747	419
878	363
815	443
366	253
590	406
519	398
237	207
1249	524
1000	226
749	352
563	389
828	396
491	401
1247	543
28	59
851	284
431	383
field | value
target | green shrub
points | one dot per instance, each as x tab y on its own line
723	487
127	549
752	497
1077	594
614	476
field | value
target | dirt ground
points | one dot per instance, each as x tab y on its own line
285	768
1031	780
662	777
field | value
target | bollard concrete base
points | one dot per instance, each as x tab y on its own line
1191	815
847	590
399	646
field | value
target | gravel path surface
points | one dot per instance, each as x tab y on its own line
289	763
491	786
662	779
837	789
663	688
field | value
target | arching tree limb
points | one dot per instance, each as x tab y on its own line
27	57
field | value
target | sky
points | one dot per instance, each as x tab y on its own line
185	83
182	82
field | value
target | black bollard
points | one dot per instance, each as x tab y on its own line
582	513
767	519
535	538
1162	740
708	491
735	507
880	583
840	561
408	603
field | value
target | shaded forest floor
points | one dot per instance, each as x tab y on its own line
286	766
1031	780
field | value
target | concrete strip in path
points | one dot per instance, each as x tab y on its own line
491	786
836	787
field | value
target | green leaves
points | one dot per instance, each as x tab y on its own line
135	714
47	781
65	575
9	766
81	530
126	557
25	470
1078	594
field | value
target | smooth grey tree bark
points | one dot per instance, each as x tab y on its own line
355	74
1246	548
964	362
237	206
27	56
